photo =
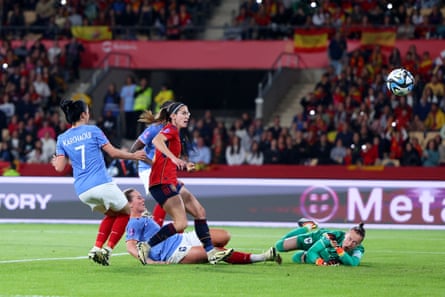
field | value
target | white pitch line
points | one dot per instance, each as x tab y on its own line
250	249
30	296
51	259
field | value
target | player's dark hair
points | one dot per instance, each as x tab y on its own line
173	108
73	109
360	230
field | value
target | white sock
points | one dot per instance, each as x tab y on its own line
257	258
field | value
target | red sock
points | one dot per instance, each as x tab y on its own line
239	258
118	229
104	230
159	214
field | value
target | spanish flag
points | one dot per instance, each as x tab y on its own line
385	37
92	33
310	40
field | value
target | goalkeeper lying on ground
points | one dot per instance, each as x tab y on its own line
323	246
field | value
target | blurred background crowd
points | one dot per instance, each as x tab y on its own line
348	118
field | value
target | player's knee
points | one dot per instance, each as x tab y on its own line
279	245
180	225
299	257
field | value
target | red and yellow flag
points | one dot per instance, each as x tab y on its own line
385	37
310	40
92	33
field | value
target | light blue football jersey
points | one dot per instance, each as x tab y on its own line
143	228
146	138
83	146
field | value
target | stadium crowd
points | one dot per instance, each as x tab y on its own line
275	19
348	118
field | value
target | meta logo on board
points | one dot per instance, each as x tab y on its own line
376	205
20	201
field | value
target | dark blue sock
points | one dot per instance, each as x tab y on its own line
164	233
202	230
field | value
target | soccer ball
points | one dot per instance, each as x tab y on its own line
400	82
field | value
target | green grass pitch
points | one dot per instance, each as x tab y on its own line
50	260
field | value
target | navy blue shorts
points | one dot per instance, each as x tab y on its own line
162	192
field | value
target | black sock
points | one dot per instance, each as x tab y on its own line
202	230
164	233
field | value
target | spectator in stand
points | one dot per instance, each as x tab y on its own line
280	23
338	153
73	61
431	156
417	17
435	19
410	156
208	127
200	154
336	52
276	128
142	101
164	95
406	29
255	156
395	58
422	108
46	128
441	147
14	144
240	130
7	107
321	150
6	154
435	118
436	86
45	9
235	154
36	155
109	124
300	150
42	89
127	21
262	22
11	170
272	154
185	22
16	19
173	25
161	23
426	67
284	151
48	147
111	100
127	95
54	52
218	150
26	146
146	18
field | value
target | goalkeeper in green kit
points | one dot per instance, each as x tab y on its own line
321	246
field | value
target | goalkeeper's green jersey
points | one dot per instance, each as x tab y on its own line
317	245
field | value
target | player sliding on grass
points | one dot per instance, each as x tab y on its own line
171	194
323	246
184	248
82	144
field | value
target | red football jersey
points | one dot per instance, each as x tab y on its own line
163	170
